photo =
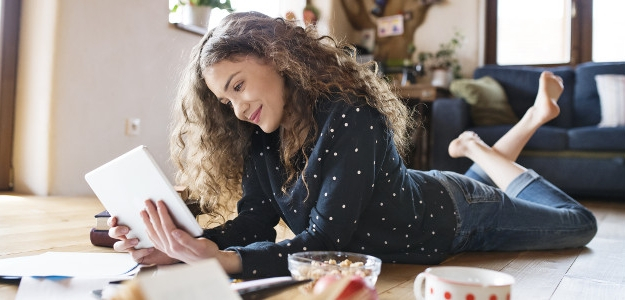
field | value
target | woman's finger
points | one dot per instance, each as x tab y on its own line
167	224
118	232
139	255
155	220
125	245
154	236
111	221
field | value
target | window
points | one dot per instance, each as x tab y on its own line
276	8
554	32
608	42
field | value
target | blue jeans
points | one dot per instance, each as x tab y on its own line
532	214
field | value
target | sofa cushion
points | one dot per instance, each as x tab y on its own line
580	174
587	108
546	137
521	86
489	104
611	90
597	138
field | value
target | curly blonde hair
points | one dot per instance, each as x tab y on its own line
209	144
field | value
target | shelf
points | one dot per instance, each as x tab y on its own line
423	92
191	28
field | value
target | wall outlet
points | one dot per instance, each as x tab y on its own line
133	126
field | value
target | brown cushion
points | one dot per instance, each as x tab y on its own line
489	104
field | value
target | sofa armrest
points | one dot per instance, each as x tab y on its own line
450	117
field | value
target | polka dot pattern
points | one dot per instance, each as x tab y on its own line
466	295
358	197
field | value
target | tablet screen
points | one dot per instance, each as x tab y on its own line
123	185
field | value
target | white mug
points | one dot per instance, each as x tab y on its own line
466	283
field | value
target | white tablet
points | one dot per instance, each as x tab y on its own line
123	185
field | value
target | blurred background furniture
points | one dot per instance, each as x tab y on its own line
420	97
571	151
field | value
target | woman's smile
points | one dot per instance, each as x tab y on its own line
255	117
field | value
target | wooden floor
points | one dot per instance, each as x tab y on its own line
32	225
594	272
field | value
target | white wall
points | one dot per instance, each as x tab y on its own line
33	91
441	22
85	66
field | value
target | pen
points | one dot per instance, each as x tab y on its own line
117	281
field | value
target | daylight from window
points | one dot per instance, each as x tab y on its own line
533	32
527	35
274	8
608	36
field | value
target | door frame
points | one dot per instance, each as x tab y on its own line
9	40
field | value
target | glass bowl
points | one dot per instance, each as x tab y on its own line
315	264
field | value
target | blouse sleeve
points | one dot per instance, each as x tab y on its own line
255	220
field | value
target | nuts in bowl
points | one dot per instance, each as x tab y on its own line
316	264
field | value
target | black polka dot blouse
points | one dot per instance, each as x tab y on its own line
359	197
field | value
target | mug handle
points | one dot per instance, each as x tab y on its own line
419	288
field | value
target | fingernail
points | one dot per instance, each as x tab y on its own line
134	241
175	233
150	250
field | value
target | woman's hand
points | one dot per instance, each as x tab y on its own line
178	244
148	256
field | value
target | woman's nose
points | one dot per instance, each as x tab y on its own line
239	108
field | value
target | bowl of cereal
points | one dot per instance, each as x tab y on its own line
316	264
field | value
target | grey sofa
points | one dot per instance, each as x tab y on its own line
571	151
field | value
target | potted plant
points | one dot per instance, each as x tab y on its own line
197	12
443	63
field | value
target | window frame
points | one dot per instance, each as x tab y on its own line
581	33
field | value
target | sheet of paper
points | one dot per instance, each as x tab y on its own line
203	280
70	264
65	289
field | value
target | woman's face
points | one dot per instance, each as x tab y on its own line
253	88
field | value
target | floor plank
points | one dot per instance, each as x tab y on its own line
393	275
602	261
612	221
42	226
576	288
488	260
402	291
538	273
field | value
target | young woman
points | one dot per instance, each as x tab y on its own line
290	125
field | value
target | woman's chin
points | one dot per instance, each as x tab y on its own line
268	129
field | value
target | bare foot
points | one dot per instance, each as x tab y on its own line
461	146
545	107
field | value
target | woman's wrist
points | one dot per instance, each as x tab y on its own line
230	261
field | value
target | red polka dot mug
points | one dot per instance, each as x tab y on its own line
462	283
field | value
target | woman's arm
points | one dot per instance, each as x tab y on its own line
256	215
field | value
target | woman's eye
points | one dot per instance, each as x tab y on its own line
237	87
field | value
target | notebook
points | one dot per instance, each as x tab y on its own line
123	185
